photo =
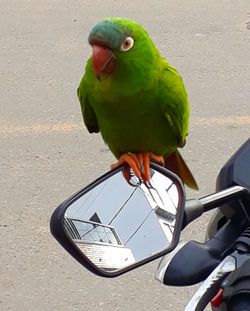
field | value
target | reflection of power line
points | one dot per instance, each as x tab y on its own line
138	227
91	203
81	205
123	205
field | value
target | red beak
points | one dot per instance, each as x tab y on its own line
102	60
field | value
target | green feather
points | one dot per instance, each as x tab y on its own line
143	105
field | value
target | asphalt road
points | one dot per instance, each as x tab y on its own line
46	153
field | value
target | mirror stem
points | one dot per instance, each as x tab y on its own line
219	198
193	209
196	207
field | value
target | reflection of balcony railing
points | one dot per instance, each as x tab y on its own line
92	231
100	243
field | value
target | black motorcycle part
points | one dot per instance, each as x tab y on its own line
191	265
193	210
195	261
236	172
242	244
240	302
236	294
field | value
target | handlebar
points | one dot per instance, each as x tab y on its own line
207	256
218	255
236	287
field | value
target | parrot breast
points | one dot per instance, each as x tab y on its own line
134	124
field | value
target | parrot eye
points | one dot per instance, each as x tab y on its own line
127	44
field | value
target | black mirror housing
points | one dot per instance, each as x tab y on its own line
61	234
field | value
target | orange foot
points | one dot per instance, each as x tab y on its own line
139	163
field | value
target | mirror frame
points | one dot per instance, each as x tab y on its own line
60	234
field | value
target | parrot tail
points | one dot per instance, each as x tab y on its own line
175	163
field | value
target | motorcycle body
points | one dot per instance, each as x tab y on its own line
112	227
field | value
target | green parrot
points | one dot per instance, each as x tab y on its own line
135	99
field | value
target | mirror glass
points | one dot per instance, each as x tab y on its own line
116	224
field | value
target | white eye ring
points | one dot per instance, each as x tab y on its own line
127	44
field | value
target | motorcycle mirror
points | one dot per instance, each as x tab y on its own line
113	226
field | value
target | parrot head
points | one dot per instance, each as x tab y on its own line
118	41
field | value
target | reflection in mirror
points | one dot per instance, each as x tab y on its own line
116	224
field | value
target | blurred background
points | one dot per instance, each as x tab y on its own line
46	153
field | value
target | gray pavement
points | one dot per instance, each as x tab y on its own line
46	153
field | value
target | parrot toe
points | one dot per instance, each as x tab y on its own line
132	161
140	165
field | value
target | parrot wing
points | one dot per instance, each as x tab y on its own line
175	106
174	103
88	113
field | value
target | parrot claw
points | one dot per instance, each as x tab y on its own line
140	165
148	184
131	179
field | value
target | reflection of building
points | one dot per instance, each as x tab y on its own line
100	243
167	222
161	201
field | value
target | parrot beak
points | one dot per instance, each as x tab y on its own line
103	60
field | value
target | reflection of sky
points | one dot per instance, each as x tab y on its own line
129	211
